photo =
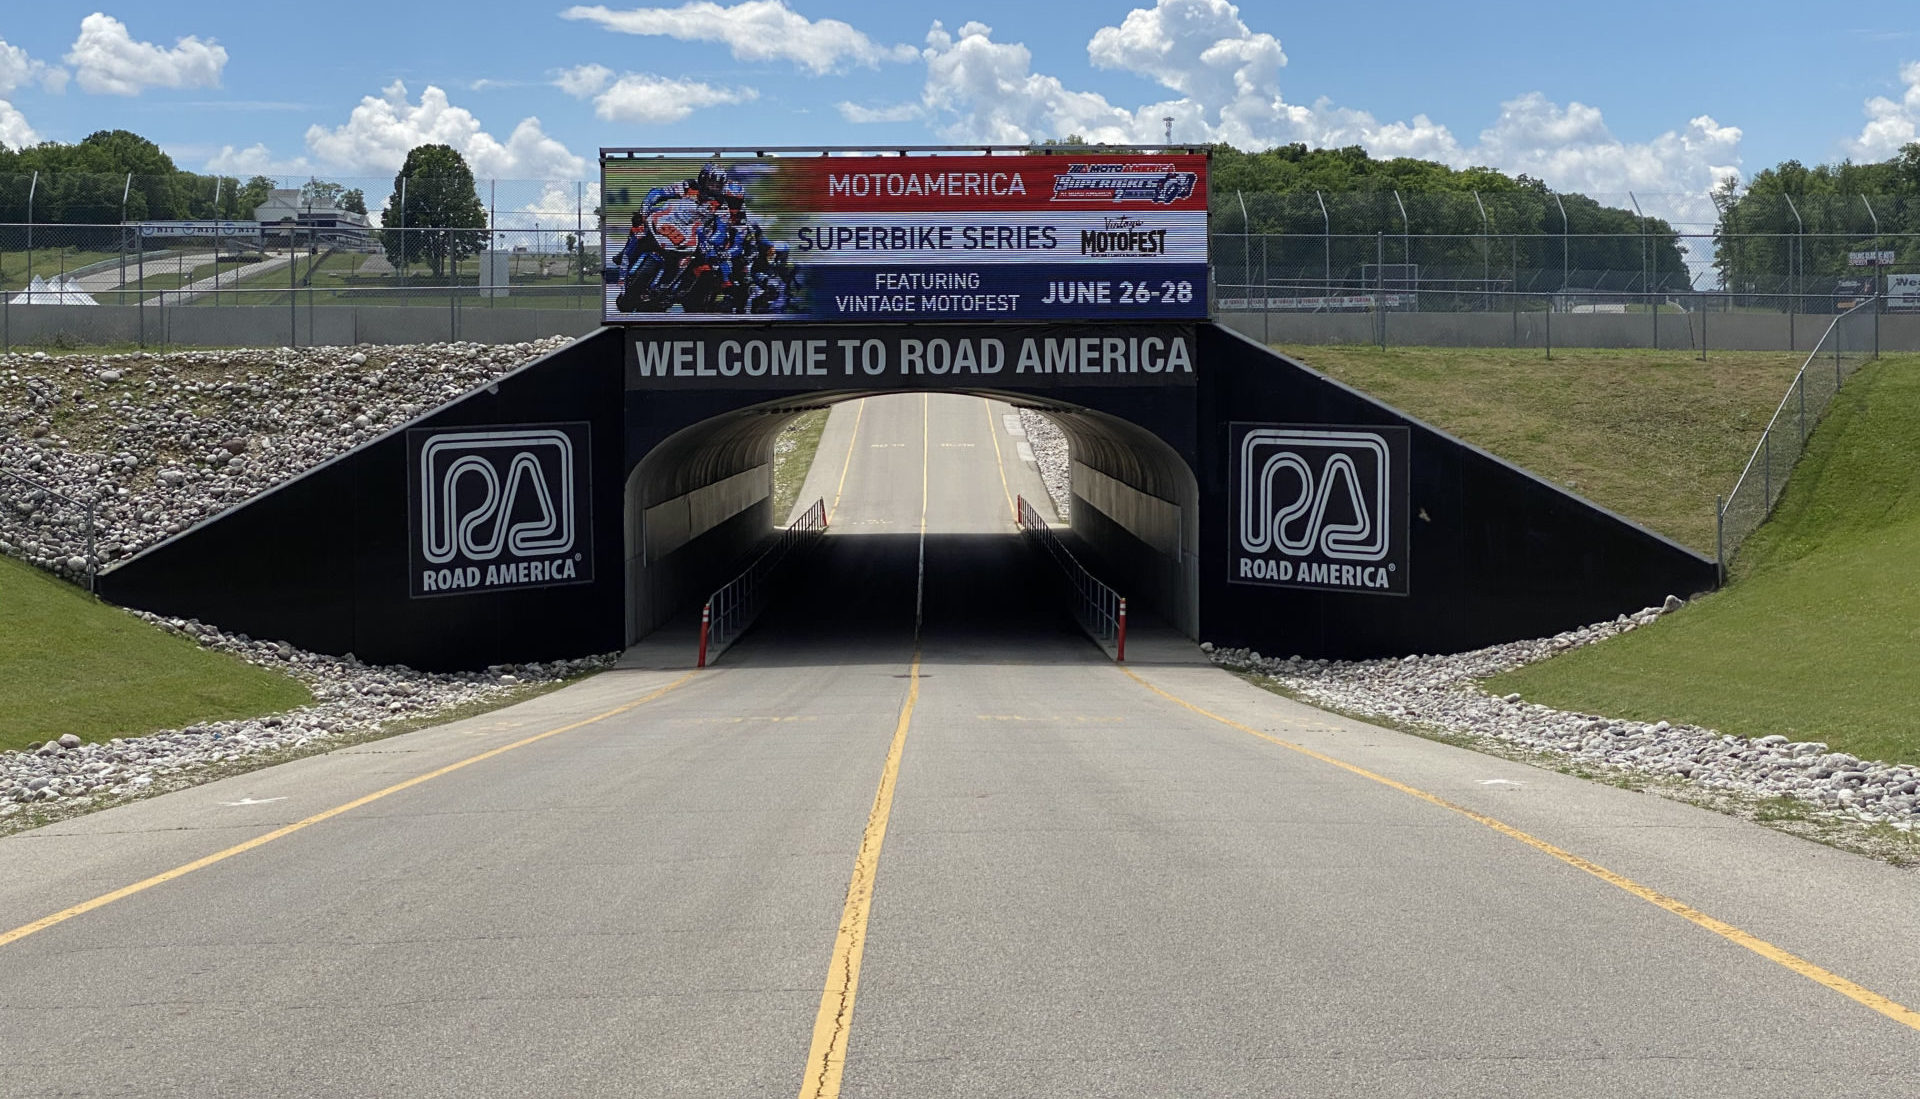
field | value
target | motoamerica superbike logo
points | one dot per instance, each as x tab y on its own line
1134	182
497	509
1320	508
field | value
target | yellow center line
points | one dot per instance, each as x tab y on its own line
124	892
1898	1012
859	410
827	1056
1000	463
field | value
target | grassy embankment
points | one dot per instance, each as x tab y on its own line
792	457
1818	635
71	664
1649	435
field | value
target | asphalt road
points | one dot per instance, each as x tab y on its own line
1087	886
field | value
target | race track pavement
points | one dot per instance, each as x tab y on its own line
1158	881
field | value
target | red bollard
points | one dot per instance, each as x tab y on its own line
706	624
1120	645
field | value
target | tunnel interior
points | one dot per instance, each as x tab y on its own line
698	506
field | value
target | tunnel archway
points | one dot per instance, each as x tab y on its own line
700	501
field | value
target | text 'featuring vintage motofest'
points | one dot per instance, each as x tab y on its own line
1319	507
893	239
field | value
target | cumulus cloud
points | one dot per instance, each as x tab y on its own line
17	68
1891	123
755	30
380	131
107	61
254	160
1225	77
14	131
644	97
582	81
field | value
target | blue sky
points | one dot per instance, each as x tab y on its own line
1660	99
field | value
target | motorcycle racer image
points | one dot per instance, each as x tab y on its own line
693	247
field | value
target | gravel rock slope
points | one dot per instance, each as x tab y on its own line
161	442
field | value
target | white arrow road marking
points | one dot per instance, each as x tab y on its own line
252	801
1012	420
1026	452
1500	782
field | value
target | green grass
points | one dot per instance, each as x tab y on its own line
1818	636
793	457
71	664
1650	435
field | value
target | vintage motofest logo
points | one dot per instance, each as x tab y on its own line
1320	508
498	509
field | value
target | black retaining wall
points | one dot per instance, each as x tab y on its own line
1493	553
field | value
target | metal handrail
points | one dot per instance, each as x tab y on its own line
1101	611
1762	455
734	605
86	508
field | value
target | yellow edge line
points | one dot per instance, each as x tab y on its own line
1866	997
859	410
124	892
1000	462
827	1056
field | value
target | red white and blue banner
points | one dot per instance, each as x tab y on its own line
890	239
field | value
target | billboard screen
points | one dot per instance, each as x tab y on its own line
889	239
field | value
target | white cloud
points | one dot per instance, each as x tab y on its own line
14	131
107	61
1226	76
254	160
582	81
644	97
17	68
755	30
1891	124
899	112
380	132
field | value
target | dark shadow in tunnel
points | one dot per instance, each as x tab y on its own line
988	599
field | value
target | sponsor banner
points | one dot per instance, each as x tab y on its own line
1870	259
894	357
758	240
1318	507
1903	291
499	509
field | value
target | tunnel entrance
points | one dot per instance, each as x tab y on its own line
889	468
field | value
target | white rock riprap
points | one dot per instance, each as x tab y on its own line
159	442
1443	693
350	699
1049	446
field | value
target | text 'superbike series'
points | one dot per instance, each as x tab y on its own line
889	239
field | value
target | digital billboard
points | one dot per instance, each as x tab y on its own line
875	239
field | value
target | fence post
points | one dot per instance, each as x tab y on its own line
1720	536
1766	468
293	286
1120	644
1800	383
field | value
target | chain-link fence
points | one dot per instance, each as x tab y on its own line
1850	342
139	260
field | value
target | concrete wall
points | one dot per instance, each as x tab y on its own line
280	326
1666	331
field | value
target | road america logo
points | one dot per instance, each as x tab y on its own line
1137	181
499	509
1320	507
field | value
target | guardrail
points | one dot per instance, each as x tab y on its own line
31	515
1100	610
731	609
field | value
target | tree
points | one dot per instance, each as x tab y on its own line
354	201
320	192
435	214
